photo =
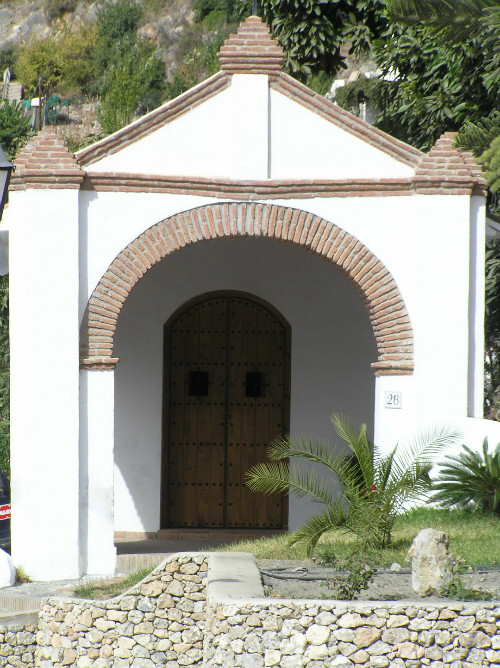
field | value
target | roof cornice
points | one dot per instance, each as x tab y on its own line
397	149
150	122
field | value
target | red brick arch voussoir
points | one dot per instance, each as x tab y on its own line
386	308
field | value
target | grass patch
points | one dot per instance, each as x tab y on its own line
99	589
21	575
473	538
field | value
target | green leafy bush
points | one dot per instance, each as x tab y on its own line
353	93
363	493
353	577
470	480
115	20
40	59
200	63
5	446
64	62
4	377
8	58
490	160
15	130
134	82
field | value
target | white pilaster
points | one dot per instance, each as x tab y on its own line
44	333
250	118
97	461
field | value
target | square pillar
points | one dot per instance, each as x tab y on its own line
44	336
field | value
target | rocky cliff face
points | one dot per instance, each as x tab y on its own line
23	20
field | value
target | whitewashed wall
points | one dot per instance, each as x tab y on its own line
62	242
422	240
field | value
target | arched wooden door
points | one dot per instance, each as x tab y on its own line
227	377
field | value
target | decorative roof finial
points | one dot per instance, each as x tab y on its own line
252	50
254	7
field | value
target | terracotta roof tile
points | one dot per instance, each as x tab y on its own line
46	162
447	163
252	50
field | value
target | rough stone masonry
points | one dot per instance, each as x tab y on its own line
172	618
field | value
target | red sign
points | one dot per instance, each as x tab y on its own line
5	512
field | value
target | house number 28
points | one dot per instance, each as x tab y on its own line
393	399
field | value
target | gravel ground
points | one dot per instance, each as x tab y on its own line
387	585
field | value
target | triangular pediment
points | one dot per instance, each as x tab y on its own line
250	121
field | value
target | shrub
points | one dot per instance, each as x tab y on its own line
470	480
15	130
115	20
64	62
40	59
134	82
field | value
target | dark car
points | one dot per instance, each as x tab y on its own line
4	512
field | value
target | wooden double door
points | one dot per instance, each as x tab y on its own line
227	377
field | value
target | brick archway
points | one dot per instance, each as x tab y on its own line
386	308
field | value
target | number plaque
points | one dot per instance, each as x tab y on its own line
393	399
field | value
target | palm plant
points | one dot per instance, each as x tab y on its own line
469	479
363	492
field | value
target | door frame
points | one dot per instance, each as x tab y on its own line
167	349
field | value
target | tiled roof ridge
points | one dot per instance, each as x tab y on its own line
46	160
447	162
251	50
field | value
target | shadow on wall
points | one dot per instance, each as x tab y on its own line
332	348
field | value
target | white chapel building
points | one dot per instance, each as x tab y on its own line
236	265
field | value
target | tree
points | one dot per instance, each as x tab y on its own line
442	71
373	487
315	34
312	32
115	20
64	62
131	76
134	82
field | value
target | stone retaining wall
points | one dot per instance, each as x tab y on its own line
159	621
173	619
17	645
326	634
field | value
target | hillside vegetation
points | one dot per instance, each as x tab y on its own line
129	56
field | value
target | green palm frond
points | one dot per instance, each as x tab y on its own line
359	445
470	479
477	137
310	532
273	478
302	447
269	478
362	491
